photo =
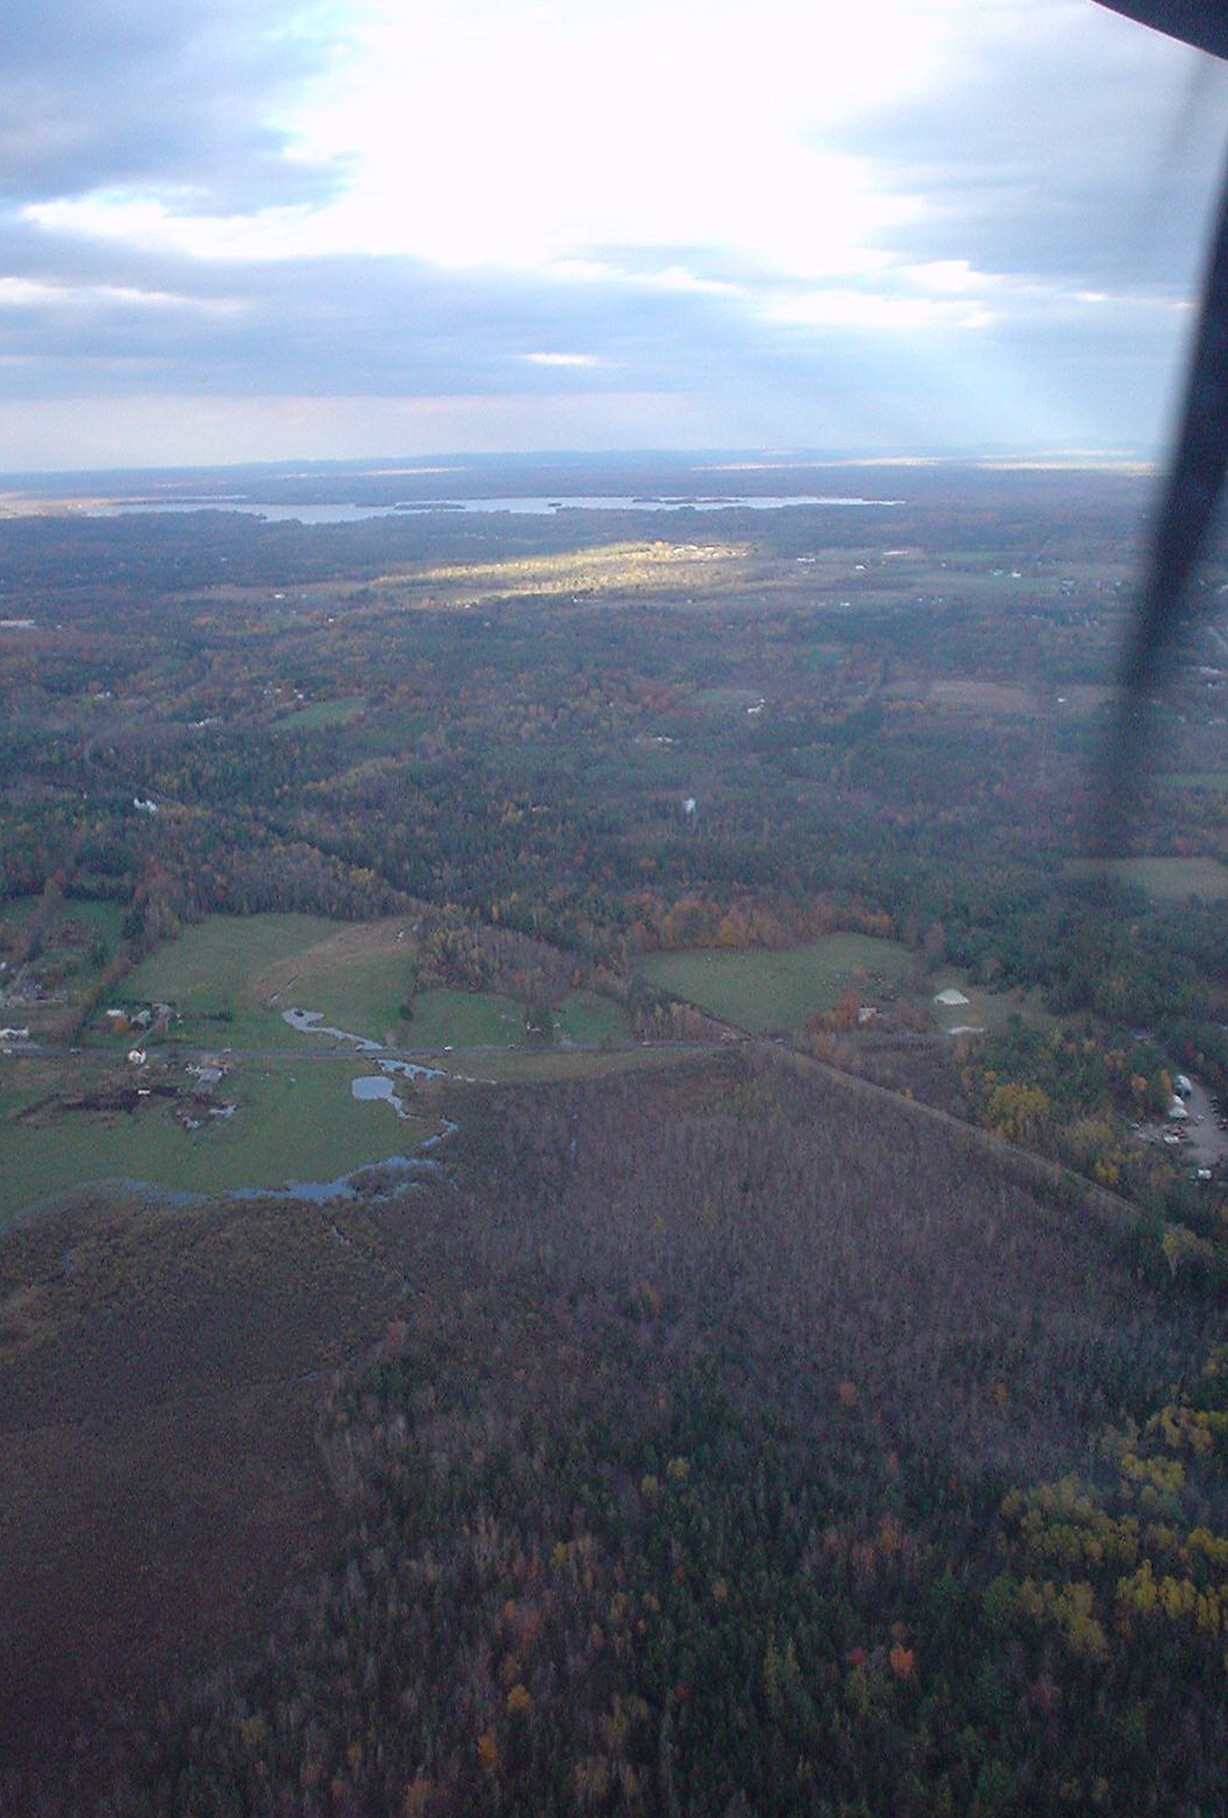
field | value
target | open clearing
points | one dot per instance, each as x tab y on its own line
99	918
283	1110
321	713
982	697
465	1019
583	1016
1198	780
293	1120
762	991
989	1010
1169	880
356	991
52	955
211	973
614	568
220	954
231	977
527	1066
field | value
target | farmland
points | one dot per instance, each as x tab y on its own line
770	991
1170	880
272	1122
770	1388
283	1110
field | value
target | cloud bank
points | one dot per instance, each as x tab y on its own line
268	230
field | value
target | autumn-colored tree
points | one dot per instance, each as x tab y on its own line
1019	1113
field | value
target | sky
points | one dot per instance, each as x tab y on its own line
247	230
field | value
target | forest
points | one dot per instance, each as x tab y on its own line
770	1396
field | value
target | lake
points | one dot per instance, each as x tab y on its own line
524	507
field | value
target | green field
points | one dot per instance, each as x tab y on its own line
361	993
364	994
761	991
482	1019
1168	880
585	1017
213	960
207	975
320	713
990	1010
230	979
75	942
294	1120
1194	779
97	917
738	699
464	1019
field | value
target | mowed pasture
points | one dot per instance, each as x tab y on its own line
974	695
584	1017
284	1111
52	955
1198	781
231	979
1165	880
213	974
989	1010
763	991
321	713
293	1120
464	1019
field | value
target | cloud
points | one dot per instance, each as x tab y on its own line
927	221
165	93
348	325
1062	142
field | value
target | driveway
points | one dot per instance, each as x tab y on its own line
1205	1143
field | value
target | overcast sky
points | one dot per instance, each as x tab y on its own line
260	229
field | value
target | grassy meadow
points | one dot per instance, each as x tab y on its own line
211	973
231	978
293	1120
763	991
1165	880
63	946
320	713
68	1124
